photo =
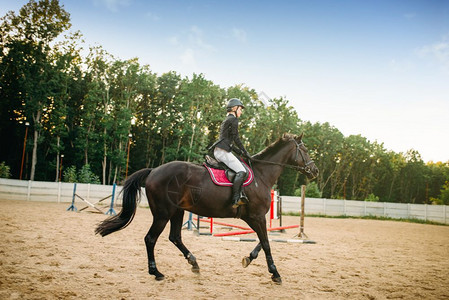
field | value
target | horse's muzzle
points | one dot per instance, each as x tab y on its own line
311	171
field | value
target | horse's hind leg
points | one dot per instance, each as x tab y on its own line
150	241
253	255
175	238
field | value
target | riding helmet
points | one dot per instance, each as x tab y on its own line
235	102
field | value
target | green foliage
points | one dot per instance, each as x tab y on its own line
312	191
70	174
372	198
5	171
86	107
29	62
297	192
84	175
444	196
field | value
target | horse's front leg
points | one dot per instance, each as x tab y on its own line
259	226
253	255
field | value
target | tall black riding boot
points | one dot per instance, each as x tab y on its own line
237	198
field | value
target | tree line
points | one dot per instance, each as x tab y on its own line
89	116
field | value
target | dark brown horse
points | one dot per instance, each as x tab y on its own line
177	186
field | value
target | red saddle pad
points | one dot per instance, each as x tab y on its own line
219	176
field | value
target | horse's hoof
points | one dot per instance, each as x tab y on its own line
158	275
276	280
246	261
196	270
159	278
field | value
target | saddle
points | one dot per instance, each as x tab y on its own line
222	175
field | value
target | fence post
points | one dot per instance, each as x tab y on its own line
303	205
302	234
59	191
444	211
29	191
364	209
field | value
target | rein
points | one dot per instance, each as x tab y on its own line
306	167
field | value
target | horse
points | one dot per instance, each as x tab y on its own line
177	186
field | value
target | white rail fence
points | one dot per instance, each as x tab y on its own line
334	207
61	192
12	189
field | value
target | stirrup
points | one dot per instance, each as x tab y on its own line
242	200
243	197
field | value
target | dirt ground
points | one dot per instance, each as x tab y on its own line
47	252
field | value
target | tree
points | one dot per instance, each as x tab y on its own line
444	197
67	60
167	113
202	111
327	147
82	107
26	43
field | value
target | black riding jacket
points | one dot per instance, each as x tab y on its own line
229	135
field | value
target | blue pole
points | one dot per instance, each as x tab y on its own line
72	207
189	226
111	210
189	222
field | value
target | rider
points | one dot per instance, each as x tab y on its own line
229	140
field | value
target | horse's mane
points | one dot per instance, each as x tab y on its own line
275	146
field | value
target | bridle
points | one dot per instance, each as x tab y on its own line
305	169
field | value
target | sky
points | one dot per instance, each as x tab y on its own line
375	68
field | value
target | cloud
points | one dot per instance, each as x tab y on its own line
196	37
401	65
188	57
189	45
174	41
152	16
438	51
239	35
112	5
409	15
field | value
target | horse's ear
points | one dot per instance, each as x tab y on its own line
299	138
286	136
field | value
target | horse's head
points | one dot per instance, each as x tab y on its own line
300	157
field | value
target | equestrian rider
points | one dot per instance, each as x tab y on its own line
229	140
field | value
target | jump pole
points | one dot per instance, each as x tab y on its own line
290	241
252	231
226	224
111	210
211	229
303	238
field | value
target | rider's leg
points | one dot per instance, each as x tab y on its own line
238	198
237	195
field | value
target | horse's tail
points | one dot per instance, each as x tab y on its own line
130	190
